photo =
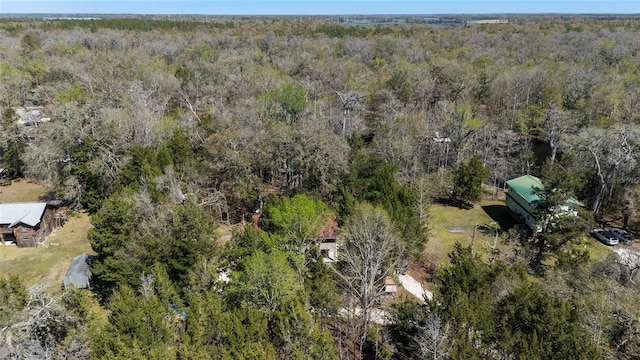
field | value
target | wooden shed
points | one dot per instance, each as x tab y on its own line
26	224
328	244
390	286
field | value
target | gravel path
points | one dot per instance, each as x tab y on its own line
628	257
414	287
377	316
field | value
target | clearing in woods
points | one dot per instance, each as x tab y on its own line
449	224
48	263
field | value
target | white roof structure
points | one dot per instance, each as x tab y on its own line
25	213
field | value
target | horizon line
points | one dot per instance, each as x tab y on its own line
336	14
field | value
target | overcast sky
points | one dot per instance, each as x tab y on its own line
318	7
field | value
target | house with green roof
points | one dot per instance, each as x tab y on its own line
522	199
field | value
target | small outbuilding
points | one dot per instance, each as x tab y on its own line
390	286
79	272
328	238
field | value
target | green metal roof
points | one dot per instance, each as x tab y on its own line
524	186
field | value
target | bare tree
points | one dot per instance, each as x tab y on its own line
557	123
630	201
423	200
611	153
629	261
371	253
35	332
146	285
350	101
435	340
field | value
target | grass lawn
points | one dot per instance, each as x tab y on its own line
450	224
48	263
22	190
597	250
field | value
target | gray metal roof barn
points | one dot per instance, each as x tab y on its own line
79	273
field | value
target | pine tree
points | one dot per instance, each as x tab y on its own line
471	175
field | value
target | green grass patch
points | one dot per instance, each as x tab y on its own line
450	225
48	263
22	190
597	250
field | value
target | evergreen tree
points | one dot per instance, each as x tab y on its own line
113	228
495	310
408	318
465	300
11	158
372	180
137	328
469	179
245	242
533	325
129	243
190	236
13	297
561	221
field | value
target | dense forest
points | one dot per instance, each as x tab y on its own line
164	130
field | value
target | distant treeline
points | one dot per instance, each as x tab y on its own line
134	24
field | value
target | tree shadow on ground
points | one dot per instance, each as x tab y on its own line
460	204
500	215
51	195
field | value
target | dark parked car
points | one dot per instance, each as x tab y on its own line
605	237
621	234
